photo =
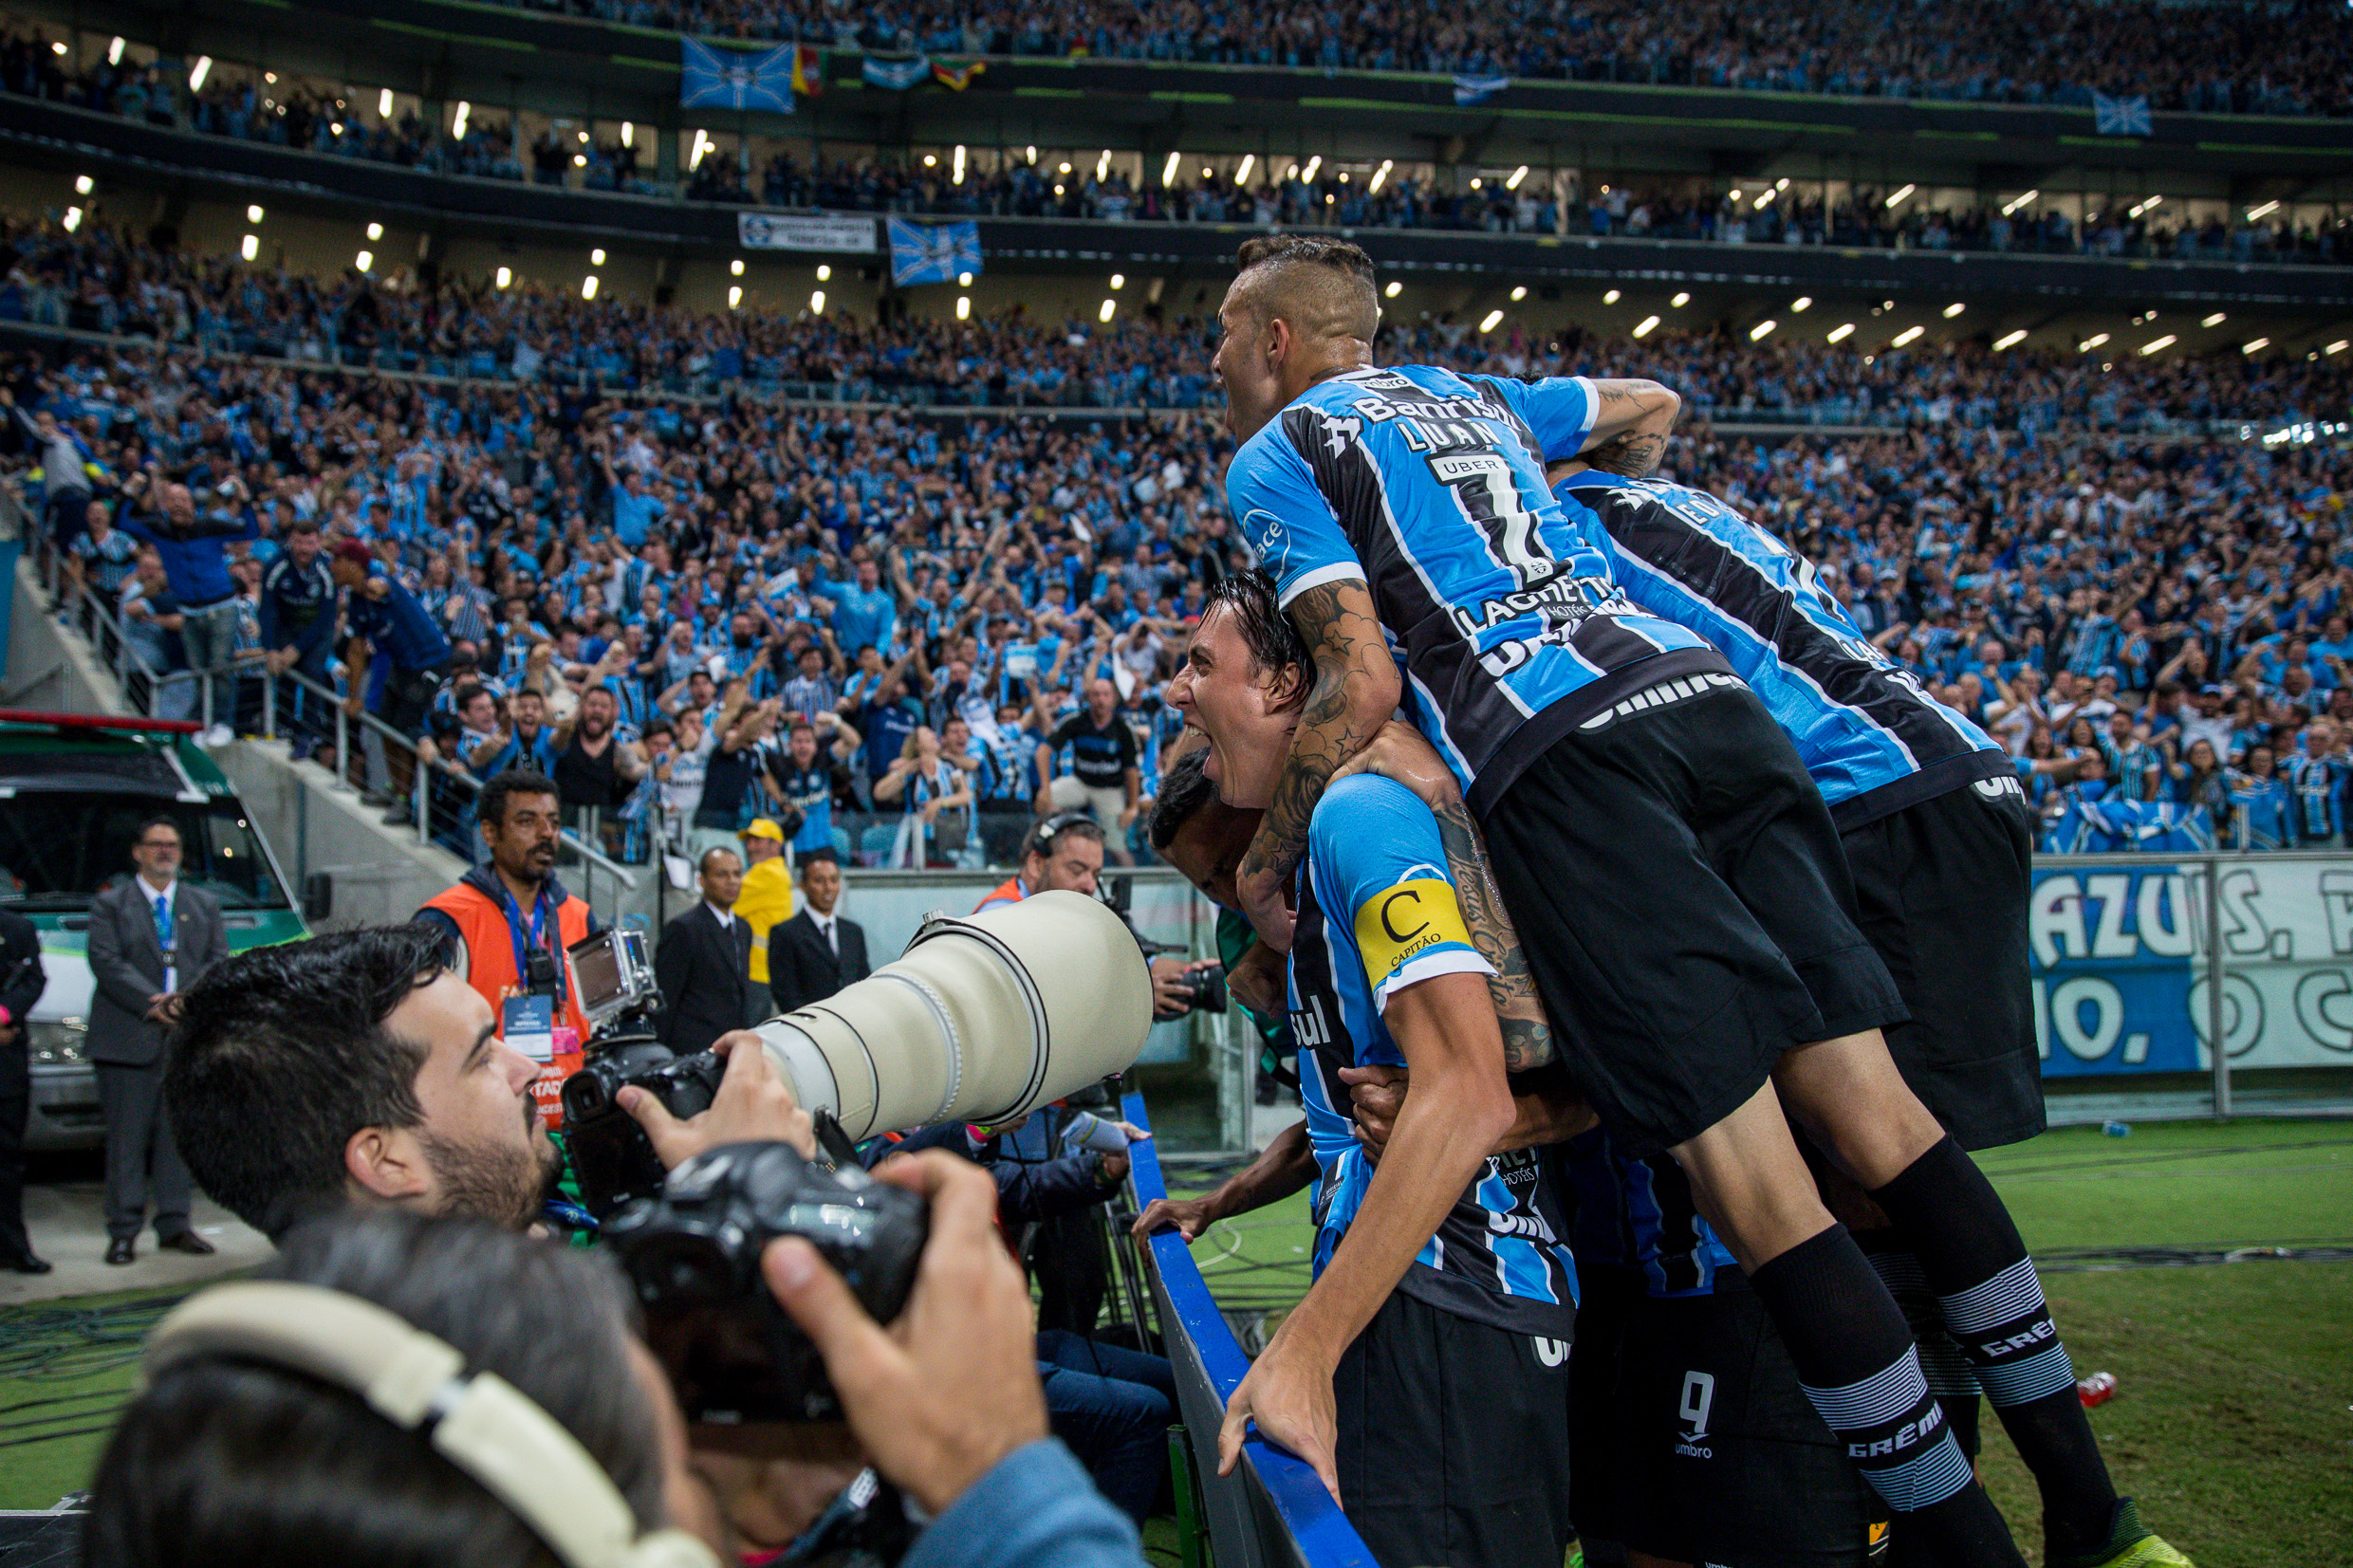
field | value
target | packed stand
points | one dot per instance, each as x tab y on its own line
904	638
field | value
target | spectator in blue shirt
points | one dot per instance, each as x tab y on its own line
194	553
383	617
2262	814
865	614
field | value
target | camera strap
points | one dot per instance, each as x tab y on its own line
541	907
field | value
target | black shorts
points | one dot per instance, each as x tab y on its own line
1685	909
1690	1439
1942	890
408	697
1454	1441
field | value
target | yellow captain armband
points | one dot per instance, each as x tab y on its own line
1403	921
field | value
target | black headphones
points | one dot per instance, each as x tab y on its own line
1041	840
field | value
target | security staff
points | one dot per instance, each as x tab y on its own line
509	923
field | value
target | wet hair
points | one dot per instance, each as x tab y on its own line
1249	598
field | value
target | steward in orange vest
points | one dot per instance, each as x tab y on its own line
496	936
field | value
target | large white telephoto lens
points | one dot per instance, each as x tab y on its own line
980	1020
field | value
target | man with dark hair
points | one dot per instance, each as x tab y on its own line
1105	776
817	951
151	937
704	962
509	923
298	631
1062	853
381	616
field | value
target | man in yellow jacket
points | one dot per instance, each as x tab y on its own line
768	889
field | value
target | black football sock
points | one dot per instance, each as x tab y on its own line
1976	1264
1856	1363
1950	1377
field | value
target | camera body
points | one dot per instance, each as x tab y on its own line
612	1158
691	1251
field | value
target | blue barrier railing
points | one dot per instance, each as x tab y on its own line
1271	1511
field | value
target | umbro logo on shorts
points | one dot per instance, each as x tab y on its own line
1659	696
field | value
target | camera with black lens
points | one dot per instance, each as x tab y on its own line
1210	995
612	1158
691	1251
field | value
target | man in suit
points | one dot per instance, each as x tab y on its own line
21	983
816	952
150	938
704	963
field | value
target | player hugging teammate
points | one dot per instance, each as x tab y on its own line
1771	897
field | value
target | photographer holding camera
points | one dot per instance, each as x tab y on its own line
1065	852
535	1428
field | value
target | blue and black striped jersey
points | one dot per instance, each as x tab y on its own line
1429	486
1378	914
1637	1215
1873	738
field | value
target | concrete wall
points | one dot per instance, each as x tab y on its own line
50	669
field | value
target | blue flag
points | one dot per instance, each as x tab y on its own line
935	253
898	75
709	78
2120	116
1478	89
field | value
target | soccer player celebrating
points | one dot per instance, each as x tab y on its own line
1675	876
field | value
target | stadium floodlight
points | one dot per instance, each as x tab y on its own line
596	257
253	214
588	287
250	246
735	268
2148	204
1909	334
2156	344
1679	301
1801	304
817	302
964	280
383	105
702	145
84	185
734	295
1953	309
1762	330
1517	174
113	52
505	276
2013	205
2338	346
2255	345
1102	165
1392	292
195	78
1307	175
2091	343
1168	170
1380	174
2214	320
57	48
1901	195
955	168
1642	328
930	160
375	230
365	259
1840	333
1519	292
1241	175
2256	215
964	307
1033	156
825	273
1780	185
1119	280
1109	306
2010	340
1612	297
1734	195
628	133
457	120
1491	320
72	219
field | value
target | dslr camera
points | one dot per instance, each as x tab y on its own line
612	1158
1208	986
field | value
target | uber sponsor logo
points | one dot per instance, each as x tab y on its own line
1698	1400
1659	697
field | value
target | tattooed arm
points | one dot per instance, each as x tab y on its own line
1399	753
1630	424
1353	689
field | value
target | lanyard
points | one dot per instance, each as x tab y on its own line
514	928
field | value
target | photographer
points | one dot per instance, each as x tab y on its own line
199	1471
1064	852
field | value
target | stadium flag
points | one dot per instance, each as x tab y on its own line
2120	115
956	78
932	254
1478	89
808	71
708	79
898	75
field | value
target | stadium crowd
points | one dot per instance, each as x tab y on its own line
321	119
748	606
